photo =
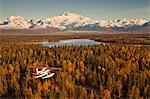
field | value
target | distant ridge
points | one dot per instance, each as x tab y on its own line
73	21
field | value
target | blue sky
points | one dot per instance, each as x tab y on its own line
97	9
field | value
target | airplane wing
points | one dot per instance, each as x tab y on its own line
43	74
54	69
49	76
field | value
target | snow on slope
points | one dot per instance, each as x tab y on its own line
122	23
37	23
15	22
69	20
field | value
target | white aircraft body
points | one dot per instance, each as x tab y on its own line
44	72
41	71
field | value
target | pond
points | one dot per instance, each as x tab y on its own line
71	42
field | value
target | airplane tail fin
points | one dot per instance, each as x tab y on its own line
37	71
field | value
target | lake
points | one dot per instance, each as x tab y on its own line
71	42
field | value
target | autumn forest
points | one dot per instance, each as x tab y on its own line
110	71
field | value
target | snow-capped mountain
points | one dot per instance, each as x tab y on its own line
69	20
73	21
126	23
15	22
122	25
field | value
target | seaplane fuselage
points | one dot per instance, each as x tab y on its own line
44	72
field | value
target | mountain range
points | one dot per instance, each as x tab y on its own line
73	21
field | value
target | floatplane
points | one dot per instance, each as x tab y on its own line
44	72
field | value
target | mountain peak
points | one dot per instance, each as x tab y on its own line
68	13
